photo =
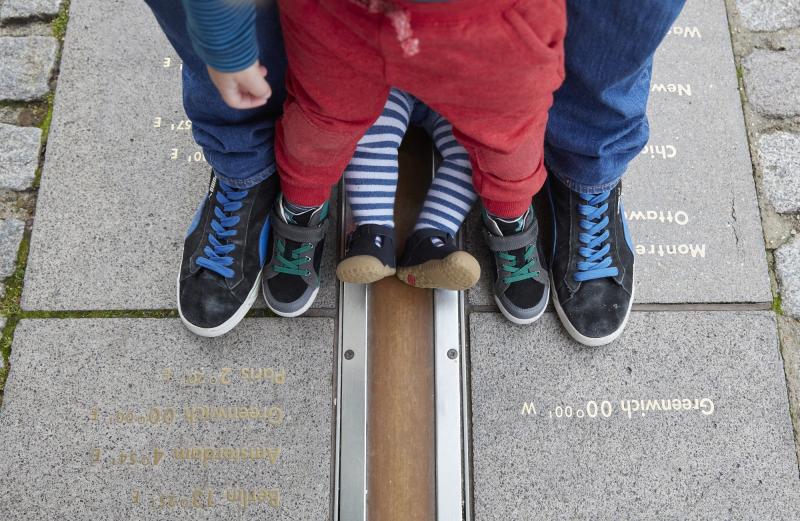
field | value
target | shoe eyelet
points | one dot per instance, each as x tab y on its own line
307	273
307	258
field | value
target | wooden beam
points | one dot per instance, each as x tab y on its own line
402	474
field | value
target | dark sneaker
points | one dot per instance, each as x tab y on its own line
291	276
369	256
431	259
592	267
223	253
521	282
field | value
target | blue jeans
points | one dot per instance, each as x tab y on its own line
598	122
236	143
597	125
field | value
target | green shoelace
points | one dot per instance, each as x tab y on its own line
523	272
292	266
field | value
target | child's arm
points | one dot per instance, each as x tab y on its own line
223	35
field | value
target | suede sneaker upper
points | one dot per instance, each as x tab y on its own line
592	267
223	253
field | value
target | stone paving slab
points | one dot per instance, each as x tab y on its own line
769	15
124	419
787	266
114	205
25	67
772	79
685	417
779	155
689	197
22	9
19	156
11	232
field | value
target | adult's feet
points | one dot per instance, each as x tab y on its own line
592	268
521	280
431	259
369	256
291	276
223	254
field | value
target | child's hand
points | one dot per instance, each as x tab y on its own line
245	89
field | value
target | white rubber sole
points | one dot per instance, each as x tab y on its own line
299	311
525	321
585	340
211	332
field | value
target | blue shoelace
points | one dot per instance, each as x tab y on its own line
217	252
596	263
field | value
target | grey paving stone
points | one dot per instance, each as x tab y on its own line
125	419
113	206
21	9
25	66
11	232
19	156
769	15
787	264
685	417
690	196
779	156
772	79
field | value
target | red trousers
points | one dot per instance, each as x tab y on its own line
490	67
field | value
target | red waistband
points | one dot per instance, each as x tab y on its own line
446	10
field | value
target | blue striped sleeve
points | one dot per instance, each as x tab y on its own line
223	32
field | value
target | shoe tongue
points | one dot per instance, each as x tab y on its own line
503	227
304	216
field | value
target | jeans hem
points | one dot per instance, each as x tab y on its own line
586	189
248	182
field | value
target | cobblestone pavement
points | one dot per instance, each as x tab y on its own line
766	41
31	36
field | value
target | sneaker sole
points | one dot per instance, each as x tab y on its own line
211	332
294	314
523	321
363	269
458	271
586	340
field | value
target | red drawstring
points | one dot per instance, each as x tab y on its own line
401	21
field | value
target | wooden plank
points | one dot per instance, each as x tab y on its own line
402	484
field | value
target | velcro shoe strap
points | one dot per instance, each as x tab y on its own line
512	242
297	233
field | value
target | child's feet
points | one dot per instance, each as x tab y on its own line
370	255
223	256
432	260
522	283
291	276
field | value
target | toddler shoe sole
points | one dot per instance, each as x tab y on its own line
458	271
363	269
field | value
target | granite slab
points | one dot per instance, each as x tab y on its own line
122	176
689	196
122	419
685	417
19	156
23	9
26	63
